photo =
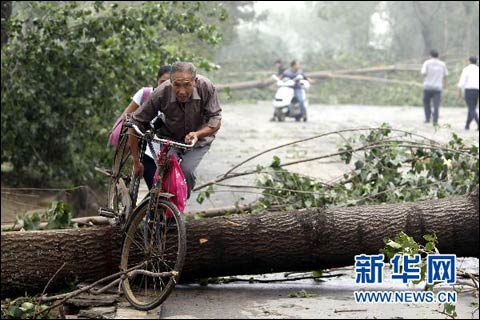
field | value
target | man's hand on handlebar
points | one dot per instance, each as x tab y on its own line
192	136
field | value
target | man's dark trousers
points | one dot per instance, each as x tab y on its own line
428	95
471	98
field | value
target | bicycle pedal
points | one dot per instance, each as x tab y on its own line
106	212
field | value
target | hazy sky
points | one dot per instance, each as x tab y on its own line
279	6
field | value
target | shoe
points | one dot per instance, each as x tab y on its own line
426	121
272	119
305	119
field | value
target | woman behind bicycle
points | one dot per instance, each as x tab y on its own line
140	97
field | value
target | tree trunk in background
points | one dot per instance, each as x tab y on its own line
445	27
304	240
6	12
425	18
349	74
468	6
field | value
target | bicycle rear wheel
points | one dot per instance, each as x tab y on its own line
122	189
158	241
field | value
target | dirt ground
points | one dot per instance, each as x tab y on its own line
246	130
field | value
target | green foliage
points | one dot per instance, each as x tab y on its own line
404	244
70	69
58	216
23	308
450	310
28	222
202	195
387	167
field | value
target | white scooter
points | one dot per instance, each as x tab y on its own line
285	104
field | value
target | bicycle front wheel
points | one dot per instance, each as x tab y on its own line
155	243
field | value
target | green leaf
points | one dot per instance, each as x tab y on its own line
276	162
450	309
394	244
359	165
429	246
28	305
318	273
201	197
15	312
430	238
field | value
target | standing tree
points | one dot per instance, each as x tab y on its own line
68	71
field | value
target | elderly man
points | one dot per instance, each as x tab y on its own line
190	105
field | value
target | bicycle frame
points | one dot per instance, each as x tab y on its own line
156	192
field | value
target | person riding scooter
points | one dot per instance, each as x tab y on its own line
290	97
299	92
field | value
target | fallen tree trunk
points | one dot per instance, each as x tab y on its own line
348	74
246	244
387	68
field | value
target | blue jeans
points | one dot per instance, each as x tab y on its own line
428	95
298	93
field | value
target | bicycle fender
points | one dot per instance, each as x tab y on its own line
166	195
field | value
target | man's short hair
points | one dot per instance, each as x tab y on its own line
473	60
164	69
278	61
183	67
434	53
294	62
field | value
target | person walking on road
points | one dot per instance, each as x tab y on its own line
469	84
435	72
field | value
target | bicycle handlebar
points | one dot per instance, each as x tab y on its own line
173	143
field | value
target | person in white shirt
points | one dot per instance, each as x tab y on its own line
469	84
435	72
137	100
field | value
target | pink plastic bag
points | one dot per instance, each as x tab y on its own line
173	182
115	134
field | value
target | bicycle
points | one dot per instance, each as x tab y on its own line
154	243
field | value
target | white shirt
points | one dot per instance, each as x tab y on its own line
469	77
434	71
138	99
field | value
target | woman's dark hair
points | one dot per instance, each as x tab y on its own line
164	69
473	60
294	62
